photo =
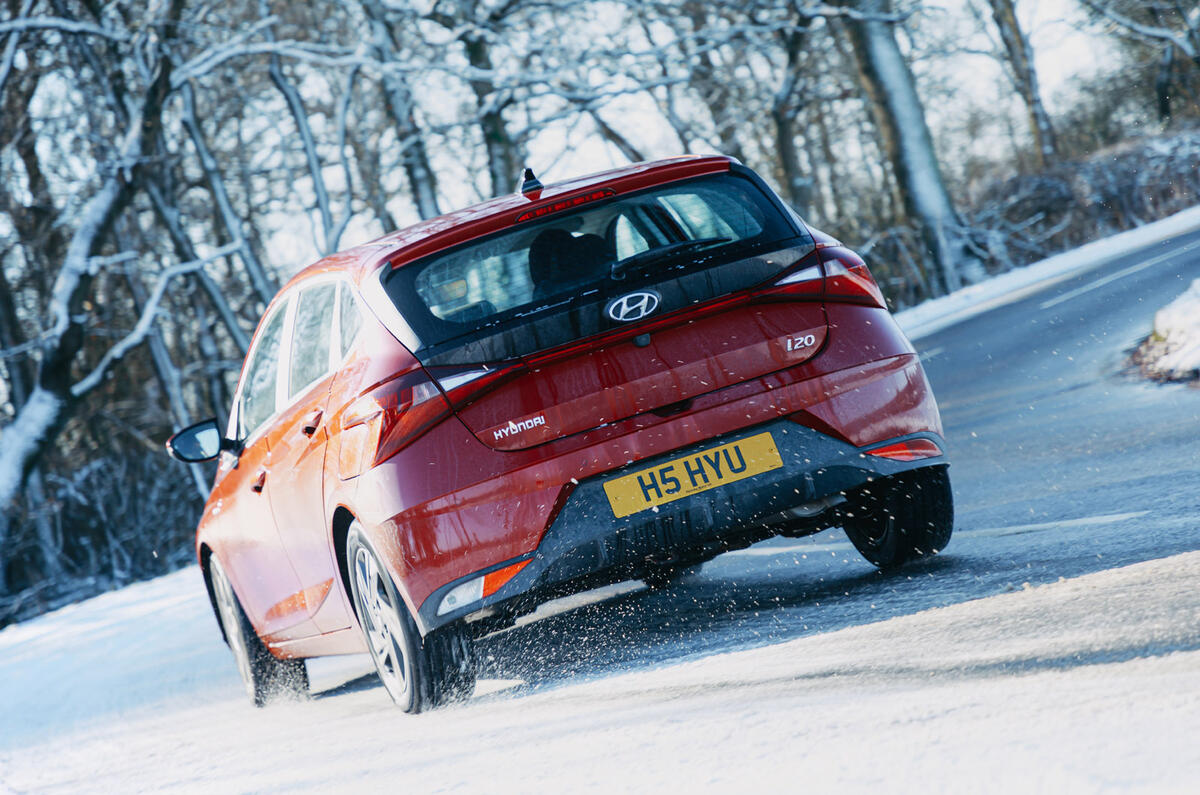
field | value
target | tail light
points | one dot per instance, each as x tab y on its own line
464	385
848	279
395	413
802	281
388	418
909	450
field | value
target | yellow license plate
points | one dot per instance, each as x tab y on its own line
682	477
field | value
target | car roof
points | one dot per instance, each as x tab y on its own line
435	234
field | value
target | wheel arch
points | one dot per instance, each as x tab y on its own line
343	518
205	554
340	528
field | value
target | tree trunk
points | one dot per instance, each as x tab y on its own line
366	157
41	417
264	286
713	84
168	377
399	103
1024	74
614	137
503	157
295	105
797	185
168	215
1162	83
899	117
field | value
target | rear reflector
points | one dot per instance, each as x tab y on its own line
495	580
911	450
477	588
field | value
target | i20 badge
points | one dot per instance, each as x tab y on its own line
633	306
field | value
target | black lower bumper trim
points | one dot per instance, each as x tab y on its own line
587	545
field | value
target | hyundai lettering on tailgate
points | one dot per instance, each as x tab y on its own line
682	477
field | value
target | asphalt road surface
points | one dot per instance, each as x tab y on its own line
1055	644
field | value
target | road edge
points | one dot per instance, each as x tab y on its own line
941	313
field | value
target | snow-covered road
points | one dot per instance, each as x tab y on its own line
1054	646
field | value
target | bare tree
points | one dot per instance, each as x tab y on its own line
401	107
887	83
1024	76
1171	28
476	26
40	417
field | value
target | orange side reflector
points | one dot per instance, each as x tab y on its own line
492	582
911	450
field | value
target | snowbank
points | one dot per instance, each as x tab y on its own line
1173	351
939	313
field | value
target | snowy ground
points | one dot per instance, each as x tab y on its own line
1054	646
1080	685
1173	351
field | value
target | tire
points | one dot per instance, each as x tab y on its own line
418	673
901	518
266	678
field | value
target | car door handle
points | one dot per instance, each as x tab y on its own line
260	481
312	422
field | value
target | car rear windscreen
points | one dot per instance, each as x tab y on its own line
543	283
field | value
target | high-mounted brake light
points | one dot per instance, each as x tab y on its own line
848	279
566	204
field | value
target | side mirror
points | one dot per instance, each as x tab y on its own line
199	442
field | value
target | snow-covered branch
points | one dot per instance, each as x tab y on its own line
1143	30
61	25
145	322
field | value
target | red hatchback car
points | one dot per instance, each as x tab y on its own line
613	377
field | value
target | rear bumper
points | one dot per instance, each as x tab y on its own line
587	544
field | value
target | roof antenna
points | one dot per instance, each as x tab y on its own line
530	184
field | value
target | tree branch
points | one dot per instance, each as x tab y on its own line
1145	31
10	47
145	323
64	25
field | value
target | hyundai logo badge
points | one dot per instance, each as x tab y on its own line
633	306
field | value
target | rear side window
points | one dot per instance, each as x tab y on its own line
605	248
349	319
311	338
262	375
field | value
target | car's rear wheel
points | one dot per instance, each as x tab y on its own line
265	677
418	673
897	519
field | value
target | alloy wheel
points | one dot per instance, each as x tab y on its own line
230	612
377	610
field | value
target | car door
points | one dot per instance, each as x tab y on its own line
299	442
250	547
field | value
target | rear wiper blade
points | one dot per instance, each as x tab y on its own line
644	258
